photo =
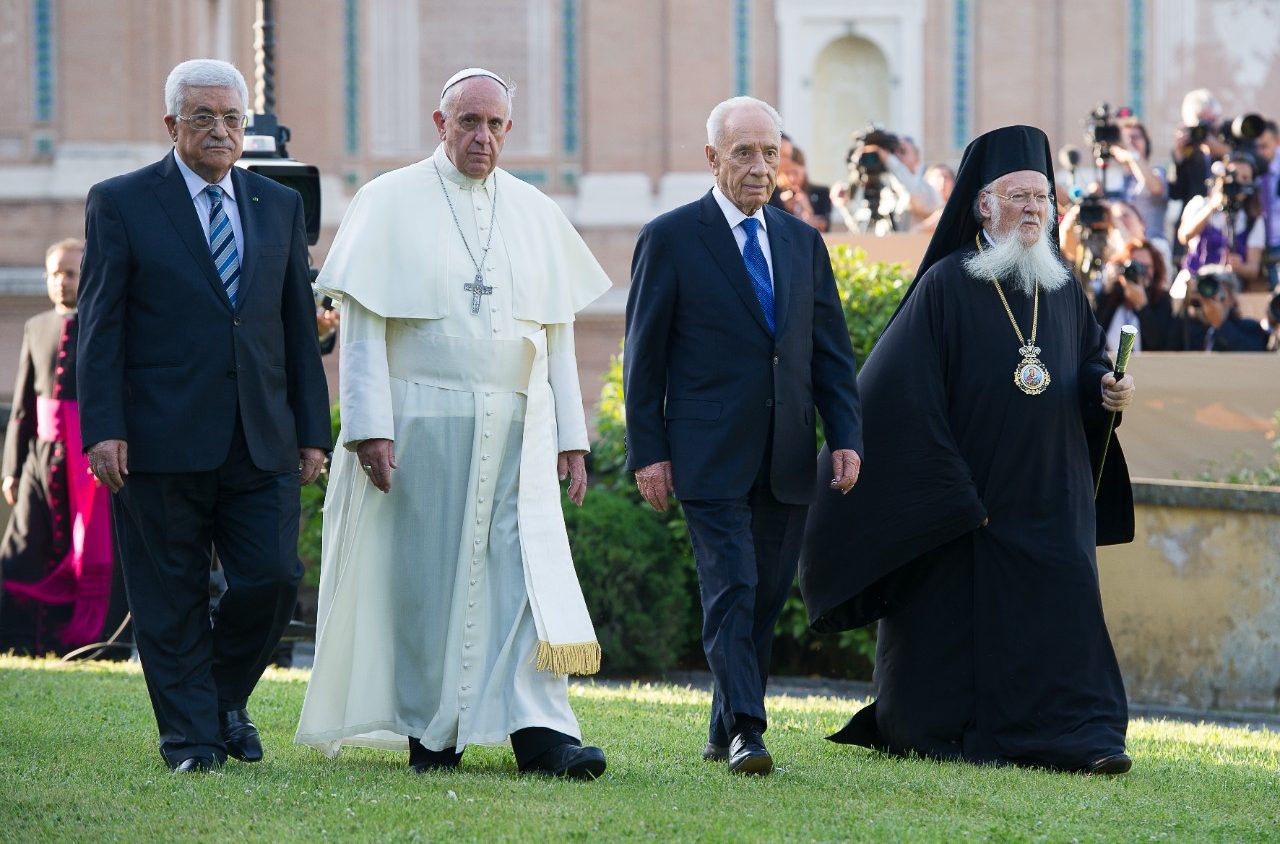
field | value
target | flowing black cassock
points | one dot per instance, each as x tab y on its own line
992	645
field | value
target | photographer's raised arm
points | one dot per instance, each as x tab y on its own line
1196	214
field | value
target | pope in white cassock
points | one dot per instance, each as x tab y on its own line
450	612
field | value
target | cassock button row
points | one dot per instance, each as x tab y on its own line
466	686
473	583
482	500
484	477
478	541
484	457
464	707
471	624
466	665
471	603
488	413
488	434
466	644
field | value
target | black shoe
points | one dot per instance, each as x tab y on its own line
715	752
568	760
422	760
1116	763
748	755
240	736
196	765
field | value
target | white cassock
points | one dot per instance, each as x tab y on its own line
449	608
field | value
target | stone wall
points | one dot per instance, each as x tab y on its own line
1193	604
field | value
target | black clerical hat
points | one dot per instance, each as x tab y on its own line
987	158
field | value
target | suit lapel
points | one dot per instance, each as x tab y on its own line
171	191
247	205
780	254
719	240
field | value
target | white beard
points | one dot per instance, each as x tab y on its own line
1021	266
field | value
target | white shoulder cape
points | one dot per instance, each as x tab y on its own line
398	228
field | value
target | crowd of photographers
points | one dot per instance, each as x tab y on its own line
1168	246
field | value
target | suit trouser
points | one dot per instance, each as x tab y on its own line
167	525
746	551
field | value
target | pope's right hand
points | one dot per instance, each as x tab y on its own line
10	487
655	484
377	458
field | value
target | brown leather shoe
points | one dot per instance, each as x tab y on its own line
1109	766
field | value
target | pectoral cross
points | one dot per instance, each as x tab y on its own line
477	289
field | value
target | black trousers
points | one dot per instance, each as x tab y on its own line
746	551
167	527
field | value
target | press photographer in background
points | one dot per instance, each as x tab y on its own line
1224	227
886	190
1134	290
798	196
1209	320
942	179
1141	184
1196	145
1269	191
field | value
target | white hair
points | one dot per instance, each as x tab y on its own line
202	73
720	114
449	97
1197	102
1007	259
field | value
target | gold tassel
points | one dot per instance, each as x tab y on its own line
582	658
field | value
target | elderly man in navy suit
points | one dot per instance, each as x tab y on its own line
734	338
203	406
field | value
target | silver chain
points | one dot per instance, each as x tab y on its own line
492	213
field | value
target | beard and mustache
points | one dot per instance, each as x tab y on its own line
1016	265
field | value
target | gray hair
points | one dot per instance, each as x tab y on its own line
202	73
720	114
449	98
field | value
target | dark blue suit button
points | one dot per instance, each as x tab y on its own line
231	373
775	360
768	402
236	321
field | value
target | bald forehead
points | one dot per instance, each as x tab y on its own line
1024	180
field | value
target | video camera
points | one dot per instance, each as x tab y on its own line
866	169
265	153
1102	132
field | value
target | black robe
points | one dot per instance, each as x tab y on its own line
992	646
38	535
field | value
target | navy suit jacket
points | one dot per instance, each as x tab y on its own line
165	362
705	380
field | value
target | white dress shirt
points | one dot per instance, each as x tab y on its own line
196	187
733	214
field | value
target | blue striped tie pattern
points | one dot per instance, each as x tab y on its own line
222	244
758	269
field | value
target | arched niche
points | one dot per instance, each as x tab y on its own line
850	89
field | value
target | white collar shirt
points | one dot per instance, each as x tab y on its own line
734	216
196	188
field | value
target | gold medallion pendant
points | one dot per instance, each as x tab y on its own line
1031	375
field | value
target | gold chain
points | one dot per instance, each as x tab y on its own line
1035	307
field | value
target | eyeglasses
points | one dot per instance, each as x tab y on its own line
1021	199
204	122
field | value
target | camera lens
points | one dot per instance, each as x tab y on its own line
1209	286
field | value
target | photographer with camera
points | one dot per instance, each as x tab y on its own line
1269	190
1210	320
1134	291
1224	227
1196	145
798	196
886	190
1141	185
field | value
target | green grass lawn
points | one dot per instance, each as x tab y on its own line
79	762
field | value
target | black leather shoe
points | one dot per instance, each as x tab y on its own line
1116	763
748	755
240	736
196	765
568	760
715	752
422	760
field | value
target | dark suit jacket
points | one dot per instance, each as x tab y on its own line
164	361
704	379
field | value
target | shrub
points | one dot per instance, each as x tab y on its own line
637	589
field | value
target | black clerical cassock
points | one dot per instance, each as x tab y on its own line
992	644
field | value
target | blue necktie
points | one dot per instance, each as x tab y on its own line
758	269
222	244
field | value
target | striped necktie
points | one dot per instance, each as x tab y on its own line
222	244
758	269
